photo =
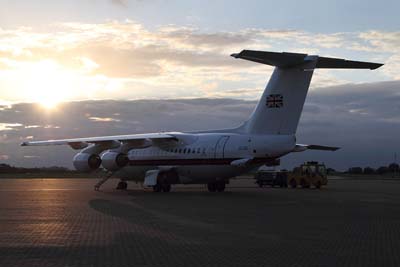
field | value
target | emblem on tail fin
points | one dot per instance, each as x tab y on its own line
274	101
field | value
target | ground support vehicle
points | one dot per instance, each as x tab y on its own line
309	174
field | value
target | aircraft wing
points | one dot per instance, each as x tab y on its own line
301	147
79	143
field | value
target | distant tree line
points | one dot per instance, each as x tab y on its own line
5	168
392	168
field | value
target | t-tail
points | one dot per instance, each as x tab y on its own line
280	107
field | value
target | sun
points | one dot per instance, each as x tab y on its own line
48	84
49	103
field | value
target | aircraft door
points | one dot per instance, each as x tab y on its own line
220	147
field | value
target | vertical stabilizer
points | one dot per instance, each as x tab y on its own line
280	107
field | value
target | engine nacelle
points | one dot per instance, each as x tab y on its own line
86	162
113	161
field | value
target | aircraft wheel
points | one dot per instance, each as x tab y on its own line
122	185
211	187
166	187
220	186
157	188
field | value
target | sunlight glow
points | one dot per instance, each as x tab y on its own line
48	83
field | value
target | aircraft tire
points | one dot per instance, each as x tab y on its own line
157	188
220	186
211	187
122	185
166	187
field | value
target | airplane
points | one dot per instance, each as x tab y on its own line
213	157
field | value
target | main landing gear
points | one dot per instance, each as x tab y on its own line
216	186
122	185
164	187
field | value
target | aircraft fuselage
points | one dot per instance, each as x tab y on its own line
205	157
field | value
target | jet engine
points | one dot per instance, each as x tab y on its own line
86	162
114	160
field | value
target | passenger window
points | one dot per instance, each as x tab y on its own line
193	151
180	150
184	150
188	151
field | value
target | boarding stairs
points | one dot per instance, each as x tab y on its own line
102	181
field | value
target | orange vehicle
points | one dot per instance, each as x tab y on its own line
309	173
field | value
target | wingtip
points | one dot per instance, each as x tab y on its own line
24	144
235	55
377	66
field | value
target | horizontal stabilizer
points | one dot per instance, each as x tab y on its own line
301	148
288	60
318	147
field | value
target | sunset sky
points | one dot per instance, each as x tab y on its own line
53	52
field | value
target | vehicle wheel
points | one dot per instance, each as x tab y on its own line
166	187
211	187
293	183
157	188
304	184
318	184
220	186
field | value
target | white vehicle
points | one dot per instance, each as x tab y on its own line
213	157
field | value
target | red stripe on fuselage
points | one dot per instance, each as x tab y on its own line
208	161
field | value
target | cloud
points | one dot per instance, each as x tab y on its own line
31	157
9	126
123	59
120	2
99	119
384	40
4	157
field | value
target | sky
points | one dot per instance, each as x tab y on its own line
55	52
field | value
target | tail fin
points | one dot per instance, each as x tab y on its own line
280	107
